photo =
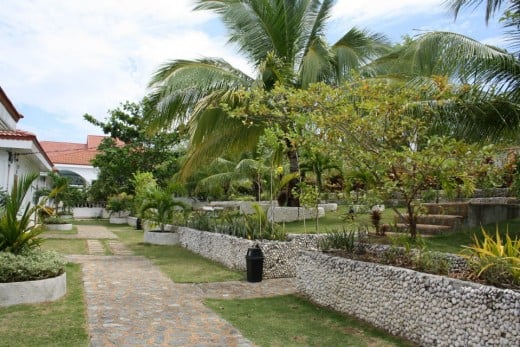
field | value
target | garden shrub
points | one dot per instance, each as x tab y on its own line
55	220
30	265
339	239
347	240
495	260
252	227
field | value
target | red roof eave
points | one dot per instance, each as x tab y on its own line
9	106
20	135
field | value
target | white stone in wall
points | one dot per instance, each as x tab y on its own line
231	205
329	207
292	214
246	207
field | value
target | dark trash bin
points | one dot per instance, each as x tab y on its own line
255	264
138	225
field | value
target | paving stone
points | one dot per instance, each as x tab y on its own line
95	247
118	248
130	302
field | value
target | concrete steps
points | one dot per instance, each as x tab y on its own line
433	223
426	229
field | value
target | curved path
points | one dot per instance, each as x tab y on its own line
130	302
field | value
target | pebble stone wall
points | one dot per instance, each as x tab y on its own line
427	309
279	257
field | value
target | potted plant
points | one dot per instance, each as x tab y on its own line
119	204
51	218
56	222
19	240
159	208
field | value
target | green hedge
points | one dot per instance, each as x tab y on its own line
31	265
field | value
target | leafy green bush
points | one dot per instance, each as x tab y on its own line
495	260
55	220
339	239
30	265
119	203
252	227
199	220
431	262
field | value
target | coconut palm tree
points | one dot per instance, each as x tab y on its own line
284	41
487	106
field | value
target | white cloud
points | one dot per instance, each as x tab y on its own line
361	12
70	57
76	57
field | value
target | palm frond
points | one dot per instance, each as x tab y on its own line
230	137
316	65
355	49
179	85
492	6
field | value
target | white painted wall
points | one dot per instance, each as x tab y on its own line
6	120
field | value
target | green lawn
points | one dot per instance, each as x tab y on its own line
62	232
337	220
181	265
59	323
293	321
452	242
65	246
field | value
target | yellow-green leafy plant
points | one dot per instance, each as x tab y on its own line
495	260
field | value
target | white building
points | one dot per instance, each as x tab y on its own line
73	160
20	151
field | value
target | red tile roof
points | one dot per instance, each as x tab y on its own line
74	153
16	135
20	135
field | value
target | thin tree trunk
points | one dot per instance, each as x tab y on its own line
412	223
286	196
293	201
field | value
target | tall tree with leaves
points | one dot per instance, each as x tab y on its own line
117	162
284	41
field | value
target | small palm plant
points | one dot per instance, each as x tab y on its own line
160	207
17	230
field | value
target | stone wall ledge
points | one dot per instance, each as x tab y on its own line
427	309
280	256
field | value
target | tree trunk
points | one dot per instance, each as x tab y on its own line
286	196
412	223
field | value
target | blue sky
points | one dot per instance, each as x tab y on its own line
64	58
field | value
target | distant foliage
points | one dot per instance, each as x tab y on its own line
251	227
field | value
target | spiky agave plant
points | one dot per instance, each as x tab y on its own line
17	230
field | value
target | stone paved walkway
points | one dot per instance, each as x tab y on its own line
130	302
